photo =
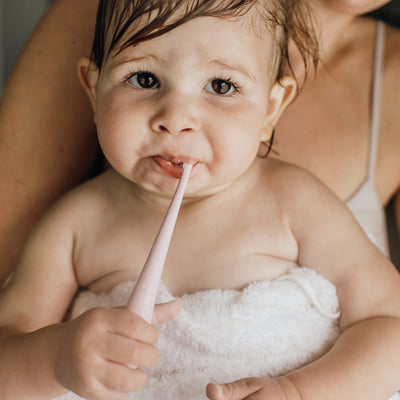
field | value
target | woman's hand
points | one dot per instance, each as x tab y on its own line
281	388
96	349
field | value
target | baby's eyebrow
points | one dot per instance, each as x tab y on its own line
129	59
119	61
236	67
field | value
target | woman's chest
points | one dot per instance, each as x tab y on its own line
342	155
328	129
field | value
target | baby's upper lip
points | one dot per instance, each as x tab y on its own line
180	159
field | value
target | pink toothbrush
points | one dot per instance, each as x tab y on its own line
144	294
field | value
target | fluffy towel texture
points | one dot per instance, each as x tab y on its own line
265	329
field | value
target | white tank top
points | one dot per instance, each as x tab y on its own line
365	204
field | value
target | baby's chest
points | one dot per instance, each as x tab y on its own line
200	257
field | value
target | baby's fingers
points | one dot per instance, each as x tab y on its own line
125	323
126	351
280	388
114	382
238	390
164	312
122	379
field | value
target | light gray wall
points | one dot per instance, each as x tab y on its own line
1	48
17	20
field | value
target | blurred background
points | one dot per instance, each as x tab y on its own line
19	17
17	20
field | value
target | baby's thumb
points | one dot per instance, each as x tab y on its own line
238	390
164	312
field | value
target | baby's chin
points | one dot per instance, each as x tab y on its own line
163	191
157	190
158	185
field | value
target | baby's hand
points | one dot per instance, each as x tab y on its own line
96	348
255	389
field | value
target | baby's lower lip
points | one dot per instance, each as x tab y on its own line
170	168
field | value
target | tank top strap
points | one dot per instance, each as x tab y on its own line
376	97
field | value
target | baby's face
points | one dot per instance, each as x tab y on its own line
199	94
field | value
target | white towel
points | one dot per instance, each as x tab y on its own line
266	329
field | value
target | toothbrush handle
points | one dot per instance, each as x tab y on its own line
144	294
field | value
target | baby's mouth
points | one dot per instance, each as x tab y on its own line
172	165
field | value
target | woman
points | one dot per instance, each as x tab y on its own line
47	136
351	138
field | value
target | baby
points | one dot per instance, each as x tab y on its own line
282	295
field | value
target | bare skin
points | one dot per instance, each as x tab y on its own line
47	136
330	137
329	131
101	232
60	119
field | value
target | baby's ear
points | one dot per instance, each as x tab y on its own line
88	74
282	94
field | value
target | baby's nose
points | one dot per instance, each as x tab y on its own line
176	114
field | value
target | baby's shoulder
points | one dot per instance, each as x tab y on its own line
287	178
84	203
295	188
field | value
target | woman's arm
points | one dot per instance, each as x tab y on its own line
47	136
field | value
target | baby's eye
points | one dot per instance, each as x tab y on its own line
220	86
144	80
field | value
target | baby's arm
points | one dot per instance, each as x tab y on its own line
88	356
42	357
363	363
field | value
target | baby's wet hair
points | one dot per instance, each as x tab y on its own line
124	23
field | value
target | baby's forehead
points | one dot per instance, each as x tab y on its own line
244	26
129	28
193	57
